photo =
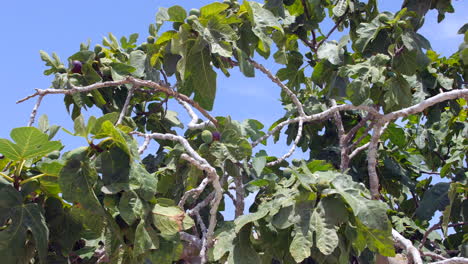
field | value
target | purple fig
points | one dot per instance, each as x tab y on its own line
216	136
76	66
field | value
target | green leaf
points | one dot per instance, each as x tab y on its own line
436	198
51	168
448	209
397	93
171	220
213	9
368	32
396	135
326	236
65	229
22	218
115	166
201	78
130	207
146	239
30	143
303	239
80	127
77	179
137	61
258	164
224	240
176	13
243	251
331	51
242	220
340	8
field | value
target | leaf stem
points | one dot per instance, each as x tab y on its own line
34	178
20	168
7	177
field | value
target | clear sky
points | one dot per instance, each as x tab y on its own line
60	26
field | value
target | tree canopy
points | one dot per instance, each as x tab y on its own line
380	114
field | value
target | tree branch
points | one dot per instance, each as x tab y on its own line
126	105
193	125
372	161
452	261
293	147
276	80
435	227
34	111
402	242
128	80
331	31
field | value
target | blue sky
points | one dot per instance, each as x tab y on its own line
60	26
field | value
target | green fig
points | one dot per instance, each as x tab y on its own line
195	12
206	136
150	39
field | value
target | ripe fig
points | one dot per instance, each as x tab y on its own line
206	136
216	136
76	66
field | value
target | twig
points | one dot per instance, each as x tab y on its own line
356	128
240	193
34	110
362	137
455	260
372	161
128	80
293	147
331	31
358	150
316	117
435	227
341	138
418	108
126	104
193	125
432	255
191	239
276	80
402	242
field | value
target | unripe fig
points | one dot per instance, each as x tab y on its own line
101	55
216	136
54	155
106	71
206	136
195	12
191	18
204	148
322	185
76	66
176	25
287	172
150	39
97	48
